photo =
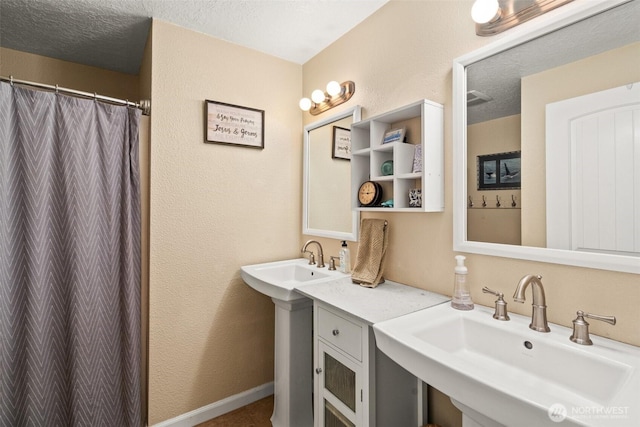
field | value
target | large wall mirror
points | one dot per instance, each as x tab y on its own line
326	210
547	140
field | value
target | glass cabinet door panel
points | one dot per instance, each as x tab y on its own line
333	417
340	381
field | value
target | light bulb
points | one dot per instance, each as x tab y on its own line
317	96
334	88
305	104
484	11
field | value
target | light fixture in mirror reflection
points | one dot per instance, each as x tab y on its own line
327	178
555	58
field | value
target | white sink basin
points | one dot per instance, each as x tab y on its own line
279	279
486	364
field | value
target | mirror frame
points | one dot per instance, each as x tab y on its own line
561	17
355	113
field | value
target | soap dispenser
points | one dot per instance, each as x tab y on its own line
461	299
345	258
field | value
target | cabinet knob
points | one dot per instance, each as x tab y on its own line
318	370
335	332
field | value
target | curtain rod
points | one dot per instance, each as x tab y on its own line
144	104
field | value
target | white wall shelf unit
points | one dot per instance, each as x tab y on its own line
424	121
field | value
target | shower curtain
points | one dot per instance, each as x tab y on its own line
69	261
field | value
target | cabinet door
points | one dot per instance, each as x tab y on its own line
341	394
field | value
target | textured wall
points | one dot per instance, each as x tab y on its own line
215	208
145	147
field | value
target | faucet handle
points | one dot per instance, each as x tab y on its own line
312	257
580	333
501	305
332	262
492	292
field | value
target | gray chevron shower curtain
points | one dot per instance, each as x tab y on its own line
69	261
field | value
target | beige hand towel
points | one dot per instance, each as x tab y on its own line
372	248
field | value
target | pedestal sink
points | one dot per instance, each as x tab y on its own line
293	376
503	373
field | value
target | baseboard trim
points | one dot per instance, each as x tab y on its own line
218	408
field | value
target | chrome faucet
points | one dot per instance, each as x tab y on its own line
539	312
320	254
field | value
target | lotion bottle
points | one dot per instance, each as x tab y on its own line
345	258
461	299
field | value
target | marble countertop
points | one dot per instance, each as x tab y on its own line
372	305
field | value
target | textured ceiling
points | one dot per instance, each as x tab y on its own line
499	76
111	34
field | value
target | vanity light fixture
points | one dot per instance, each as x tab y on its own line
495	16
321	101
484	11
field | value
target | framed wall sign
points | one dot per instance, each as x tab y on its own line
499	171
234	125
341	143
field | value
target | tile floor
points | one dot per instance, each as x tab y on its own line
256	414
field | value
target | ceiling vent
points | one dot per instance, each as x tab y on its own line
475	97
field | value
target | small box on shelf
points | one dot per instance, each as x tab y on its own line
415	198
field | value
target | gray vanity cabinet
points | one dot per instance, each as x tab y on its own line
348	369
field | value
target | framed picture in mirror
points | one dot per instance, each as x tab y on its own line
499	171
341	143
